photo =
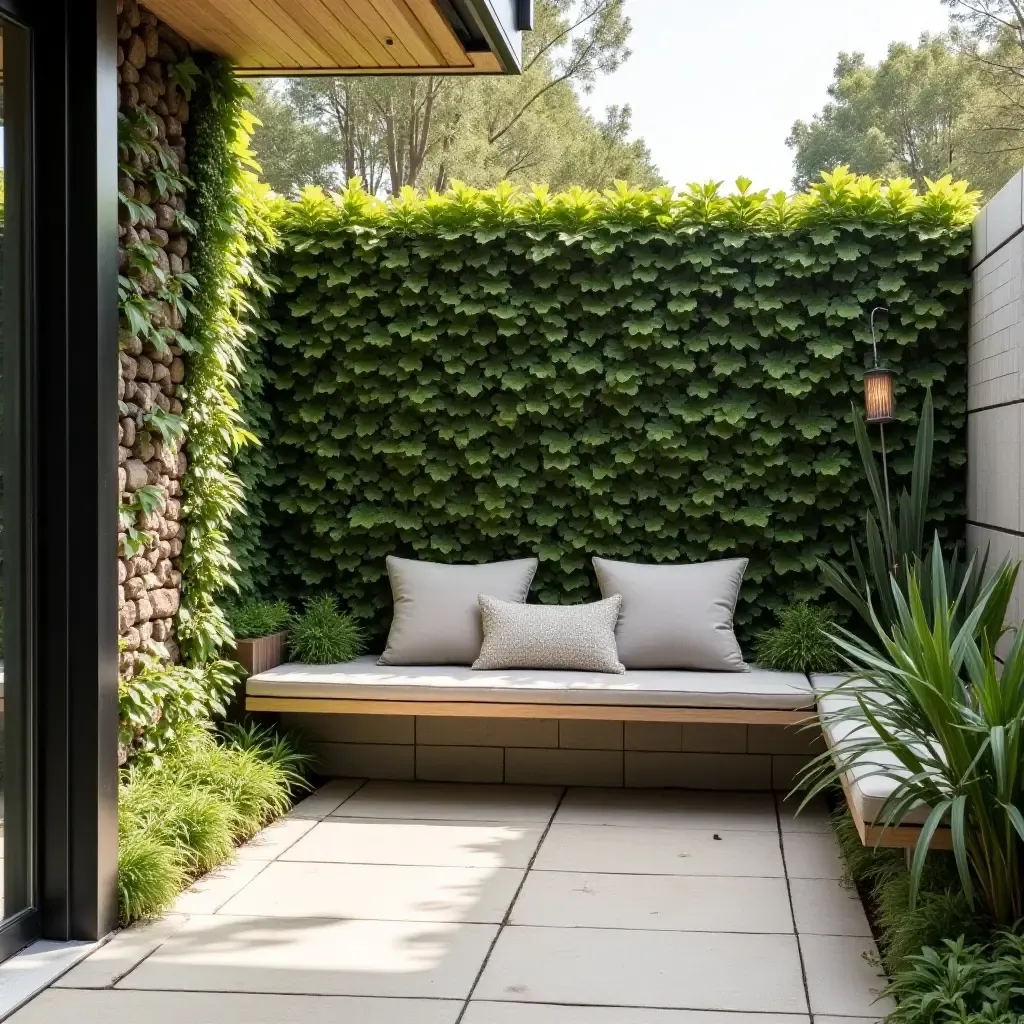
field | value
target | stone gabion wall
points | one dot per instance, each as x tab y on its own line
149	590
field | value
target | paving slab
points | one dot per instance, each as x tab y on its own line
660	851
480	1012
453	802
815	817
437	843
124	951
64	1007
209	893
824	906
812	855
843	977
664	970
317	956
674	809
275	839
379	892
326	799
661	902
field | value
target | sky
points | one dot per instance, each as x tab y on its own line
716	86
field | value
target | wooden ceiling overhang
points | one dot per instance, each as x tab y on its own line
355	37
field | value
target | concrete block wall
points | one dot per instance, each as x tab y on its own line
995	376
558	752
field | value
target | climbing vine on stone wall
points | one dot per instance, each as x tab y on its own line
639	375
231	211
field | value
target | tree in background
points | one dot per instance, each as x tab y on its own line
428	131
951	105
908	117
989	34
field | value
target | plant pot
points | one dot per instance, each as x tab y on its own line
255	655
261	653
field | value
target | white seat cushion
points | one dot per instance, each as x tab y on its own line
868	792
364	679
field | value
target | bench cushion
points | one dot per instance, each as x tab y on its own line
868	792
364	679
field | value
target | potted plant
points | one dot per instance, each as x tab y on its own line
260	628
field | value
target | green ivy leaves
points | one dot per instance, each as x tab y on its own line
637	375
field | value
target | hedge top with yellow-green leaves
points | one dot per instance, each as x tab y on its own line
647	376
840	197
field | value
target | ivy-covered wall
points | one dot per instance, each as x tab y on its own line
635	375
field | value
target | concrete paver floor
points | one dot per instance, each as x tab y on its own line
415	903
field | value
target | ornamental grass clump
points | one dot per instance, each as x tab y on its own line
322	635
935	714
181	814
253	618
800	642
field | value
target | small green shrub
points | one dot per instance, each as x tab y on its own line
181	814
961	983
799	643
255	618
322	635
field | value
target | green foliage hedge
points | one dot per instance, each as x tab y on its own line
638	375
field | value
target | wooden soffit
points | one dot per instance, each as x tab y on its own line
337	37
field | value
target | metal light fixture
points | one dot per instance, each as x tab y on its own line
880	399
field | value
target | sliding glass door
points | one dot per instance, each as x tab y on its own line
19	920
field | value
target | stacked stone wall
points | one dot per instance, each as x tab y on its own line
149	583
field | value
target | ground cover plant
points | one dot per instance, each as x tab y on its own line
180	814
800	642
323	635
637	375
947	963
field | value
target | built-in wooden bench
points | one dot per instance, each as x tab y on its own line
865	791
757	697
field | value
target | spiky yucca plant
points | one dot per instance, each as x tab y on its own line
934	713
895	539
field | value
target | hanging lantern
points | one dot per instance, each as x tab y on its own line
879	395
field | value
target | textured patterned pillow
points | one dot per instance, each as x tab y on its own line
577	636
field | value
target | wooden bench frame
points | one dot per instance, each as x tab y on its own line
511	709
893	837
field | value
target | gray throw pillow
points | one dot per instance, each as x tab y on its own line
437	614
577	637
676	616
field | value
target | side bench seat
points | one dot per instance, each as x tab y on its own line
866	792
364	687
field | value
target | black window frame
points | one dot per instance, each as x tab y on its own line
60	429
